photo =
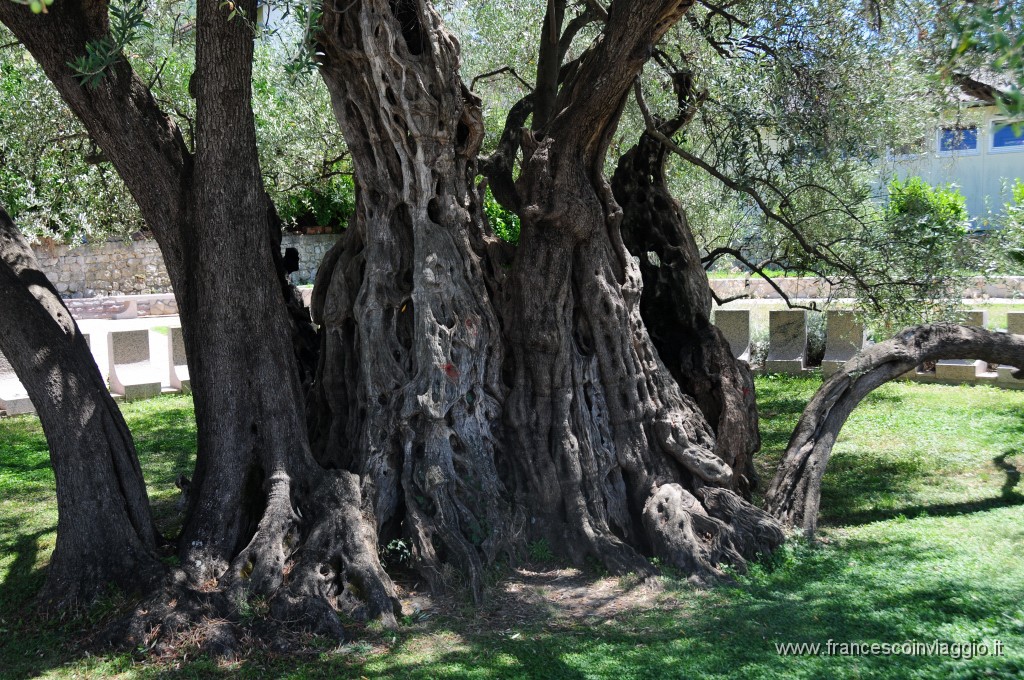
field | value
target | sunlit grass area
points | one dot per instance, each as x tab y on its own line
923	535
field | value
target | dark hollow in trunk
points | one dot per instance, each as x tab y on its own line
794	495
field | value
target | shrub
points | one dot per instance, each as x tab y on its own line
504	223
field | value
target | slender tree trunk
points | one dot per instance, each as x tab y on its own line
795	493
105	533
411	395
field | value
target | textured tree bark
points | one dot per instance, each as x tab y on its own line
464	410
410	393
257	491
105	533
592	404
676	301
795	493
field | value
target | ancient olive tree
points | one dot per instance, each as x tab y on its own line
467	396
492	398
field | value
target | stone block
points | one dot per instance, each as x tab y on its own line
844	337
1015	322
735	326
133	372
17	406
1005	379
13	396
99	345
787	341
179	364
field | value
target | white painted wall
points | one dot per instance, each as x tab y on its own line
984	177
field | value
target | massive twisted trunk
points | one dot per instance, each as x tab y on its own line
603	455
676	301
410	395
105	533
795	493
592	404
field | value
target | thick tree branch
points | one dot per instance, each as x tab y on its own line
795	493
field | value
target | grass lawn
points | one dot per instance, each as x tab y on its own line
922	540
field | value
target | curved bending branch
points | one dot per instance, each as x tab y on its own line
498	167
795	492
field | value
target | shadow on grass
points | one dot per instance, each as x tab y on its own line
1009	496
23	580
856	594
162	429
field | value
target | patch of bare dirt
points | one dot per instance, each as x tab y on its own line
553	597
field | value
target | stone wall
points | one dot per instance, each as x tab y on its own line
978	288
137	268
312	249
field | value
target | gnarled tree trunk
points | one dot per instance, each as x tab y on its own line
105	533
601	450
410	395
676	301
795	493
592	404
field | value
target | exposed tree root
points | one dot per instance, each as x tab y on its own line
697	536
328	569
795	493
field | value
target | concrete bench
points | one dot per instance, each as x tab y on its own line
168	351
13	396
132	370
1015	325
965	370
